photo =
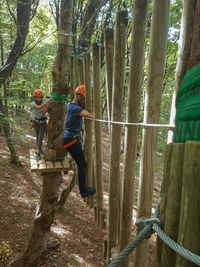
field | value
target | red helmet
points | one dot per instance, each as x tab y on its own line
37	92
80	90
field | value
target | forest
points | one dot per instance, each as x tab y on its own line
131	56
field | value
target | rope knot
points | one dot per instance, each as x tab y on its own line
143	222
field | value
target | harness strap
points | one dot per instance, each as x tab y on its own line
32	126
70	143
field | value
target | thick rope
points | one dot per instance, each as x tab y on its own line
145	233
176	247
153	224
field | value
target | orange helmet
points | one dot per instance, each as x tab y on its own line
80	90
37	92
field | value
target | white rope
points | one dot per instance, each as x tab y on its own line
134	123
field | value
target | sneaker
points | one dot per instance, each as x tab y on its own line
38	157
89	192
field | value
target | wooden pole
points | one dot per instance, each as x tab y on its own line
88	123
134	95
77	77
187	22
118	85
80	68
156	67
163	202
109	53
72	78
189	229
173	203
96	50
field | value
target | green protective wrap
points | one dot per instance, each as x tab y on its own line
187	124
61	98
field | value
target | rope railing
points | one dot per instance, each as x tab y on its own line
153	225
126	124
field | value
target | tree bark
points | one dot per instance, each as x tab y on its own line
109	52
23	19
118	86
88	124
187	24
96	50
156	66
51	181
134	96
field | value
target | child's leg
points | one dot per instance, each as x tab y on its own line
36	128
42	128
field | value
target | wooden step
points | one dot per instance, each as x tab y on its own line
47	166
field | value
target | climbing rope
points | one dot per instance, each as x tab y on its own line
133	123
153	225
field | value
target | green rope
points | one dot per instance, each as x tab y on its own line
60	98
153	224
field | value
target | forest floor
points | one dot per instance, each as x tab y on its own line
80	239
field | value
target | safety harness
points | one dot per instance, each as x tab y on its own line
76	136
36	121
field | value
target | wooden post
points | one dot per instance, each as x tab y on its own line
118	79
187	22
80	68
77	78
72	78
88	123
96	50
156	67
173	203
163	202
134	93
189	229
109	52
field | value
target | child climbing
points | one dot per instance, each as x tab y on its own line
39	120
72	137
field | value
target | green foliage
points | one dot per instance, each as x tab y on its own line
5	252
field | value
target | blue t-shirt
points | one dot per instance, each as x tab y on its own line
73	120
37	113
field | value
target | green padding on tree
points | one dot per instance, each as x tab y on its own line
61	98
187	130
187	125
190	81
189	108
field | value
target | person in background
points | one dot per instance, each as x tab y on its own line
72	137
39	108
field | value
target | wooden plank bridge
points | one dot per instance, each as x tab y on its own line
46	165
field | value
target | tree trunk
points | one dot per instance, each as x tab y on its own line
98	128
134	95
156	66
187	23
118	86
109	52
51	181
23	19
88	123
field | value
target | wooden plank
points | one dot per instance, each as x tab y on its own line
42	164
47	166
58	164
33	161
65	164
50	165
